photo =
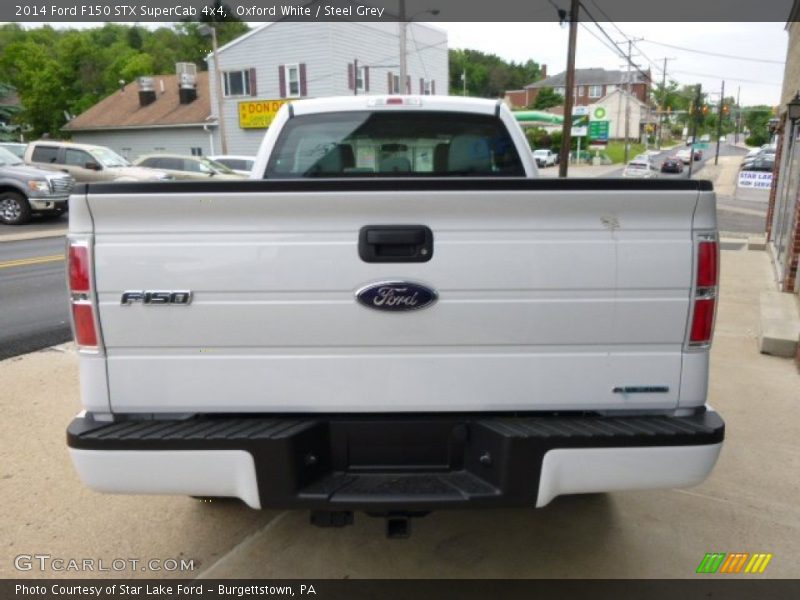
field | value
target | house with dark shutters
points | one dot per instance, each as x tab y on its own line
286	60
590	86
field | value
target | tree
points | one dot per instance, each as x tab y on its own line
58	71
547	98
488	75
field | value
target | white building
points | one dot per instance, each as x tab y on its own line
282	60
615	108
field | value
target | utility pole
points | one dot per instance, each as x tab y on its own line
403	57
663	106
206	29
566	130
738	115
719	120
628	98
696	109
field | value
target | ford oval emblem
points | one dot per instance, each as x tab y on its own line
396	296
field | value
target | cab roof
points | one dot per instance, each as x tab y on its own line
396	102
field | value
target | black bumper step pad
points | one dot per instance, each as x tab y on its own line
397	462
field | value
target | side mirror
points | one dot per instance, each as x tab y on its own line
92	165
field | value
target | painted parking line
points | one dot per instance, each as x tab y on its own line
36	260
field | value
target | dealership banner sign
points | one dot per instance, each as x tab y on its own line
258	114
759	180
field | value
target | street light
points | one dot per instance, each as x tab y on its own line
205	30
403	23
793	107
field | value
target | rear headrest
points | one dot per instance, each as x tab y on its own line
470	154
337	159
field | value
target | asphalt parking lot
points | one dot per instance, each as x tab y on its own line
749	504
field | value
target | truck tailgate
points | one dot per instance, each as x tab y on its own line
550	297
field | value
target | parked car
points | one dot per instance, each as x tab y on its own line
705	138
672	164
187	167
26	190
640	169
86	162
689	140
759	150
759	163
386	345
723	138
242	165
545	157
684	155
15	148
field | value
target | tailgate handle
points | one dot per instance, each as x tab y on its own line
395	243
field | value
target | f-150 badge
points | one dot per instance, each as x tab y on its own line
156	297
396	296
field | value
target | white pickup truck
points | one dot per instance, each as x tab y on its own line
394	315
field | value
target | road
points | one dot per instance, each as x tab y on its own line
733	215
33	296
657	157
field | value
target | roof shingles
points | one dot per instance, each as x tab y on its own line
121	109
589	77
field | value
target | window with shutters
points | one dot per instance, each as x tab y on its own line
292	77
426	89
236	83
395	88
361	79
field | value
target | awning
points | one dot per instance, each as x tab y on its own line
533	116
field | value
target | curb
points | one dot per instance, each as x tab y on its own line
33	235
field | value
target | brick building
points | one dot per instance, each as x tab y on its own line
783	216
590	86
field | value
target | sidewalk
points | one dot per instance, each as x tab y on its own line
723	175
748	504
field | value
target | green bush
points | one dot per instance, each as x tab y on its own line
756	139
538	138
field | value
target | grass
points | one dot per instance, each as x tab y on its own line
616	151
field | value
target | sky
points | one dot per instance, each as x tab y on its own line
546	43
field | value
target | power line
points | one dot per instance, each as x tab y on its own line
653	63
717	54
720	77
621	54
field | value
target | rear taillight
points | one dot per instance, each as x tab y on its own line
707	270
82	295
83	322
78	268
704	306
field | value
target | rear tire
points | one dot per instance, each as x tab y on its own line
14	208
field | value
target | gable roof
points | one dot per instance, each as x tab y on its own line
622	93
594	76
121	109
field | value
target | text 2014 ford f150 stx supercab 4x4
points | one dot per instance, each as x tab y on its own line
398	316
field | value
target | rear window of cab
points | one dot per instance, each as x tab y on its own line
394	144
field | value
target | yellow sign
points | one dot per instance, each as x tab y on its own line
258	114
